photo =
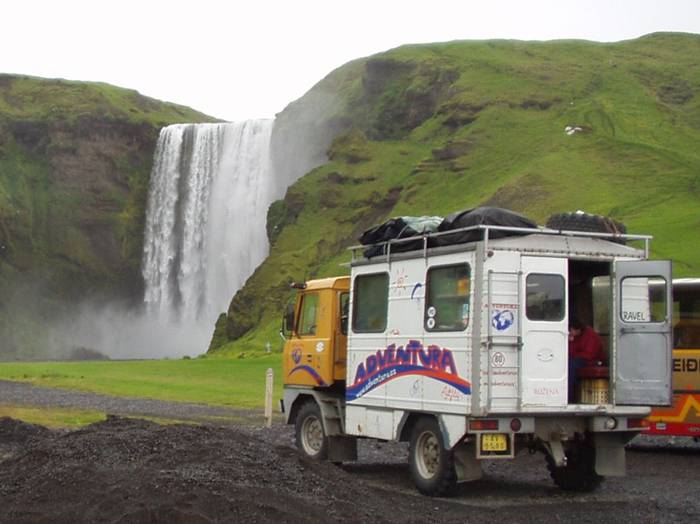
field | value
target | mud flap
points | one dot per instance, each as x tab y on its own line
467	466
610	453
556	451
342	449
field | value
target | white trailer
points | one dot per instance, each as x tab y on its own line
462	350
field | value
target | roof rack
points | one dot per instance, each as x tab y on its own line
488	228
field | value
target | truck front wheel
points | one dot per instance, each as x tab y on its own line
432	465
311	439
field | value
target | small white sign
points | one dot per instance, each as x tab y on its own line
432	311
320	347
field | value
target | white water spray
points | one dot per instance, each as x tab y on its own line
205	234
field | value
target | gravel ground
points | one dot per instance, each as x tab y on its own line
24	394
125	470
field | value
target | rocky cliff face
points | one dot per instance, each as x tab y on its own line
75	161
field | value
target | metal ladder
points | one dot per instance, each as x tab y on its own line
517	341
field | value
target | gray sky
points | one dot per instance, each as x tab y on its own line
240	60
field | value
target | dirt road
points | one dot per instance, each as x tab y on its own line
136	471
25	394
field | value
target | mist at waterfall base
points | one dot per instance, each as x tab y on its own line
205	233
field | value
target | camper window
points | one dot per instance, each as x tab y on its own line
447	304
545	297
643	299
370	301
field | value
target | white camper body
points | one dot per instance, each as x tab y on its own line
505	359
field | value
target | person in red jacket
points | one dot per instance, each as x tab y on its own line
585	350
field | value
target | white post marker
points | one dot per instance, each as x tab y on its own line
268	397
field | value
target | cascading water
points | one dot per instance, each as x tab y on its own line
211	186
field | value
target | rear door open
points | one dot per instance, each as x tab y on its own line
545	332
642	333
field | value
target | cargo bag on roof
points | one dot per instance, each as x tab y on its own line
488	216
396	228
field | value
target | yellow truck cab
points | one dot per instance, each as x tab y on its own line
316	349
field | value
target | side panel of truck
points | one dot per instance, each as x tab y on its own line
414	364
500	333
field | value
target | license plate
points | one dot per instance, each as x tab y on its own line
494	442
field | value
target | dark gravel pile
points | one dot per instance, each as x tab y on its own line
16	432
16	435
124	470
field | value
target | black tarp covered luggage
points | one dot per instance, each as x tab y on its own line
395	228
488	216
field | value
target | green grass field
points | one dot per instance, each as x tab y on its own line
237	383
52	417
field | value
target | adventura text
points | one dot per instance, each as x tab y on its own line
413	353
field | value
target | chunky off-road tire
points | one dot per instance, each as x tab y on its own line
579	473
311	438
588	223
432	465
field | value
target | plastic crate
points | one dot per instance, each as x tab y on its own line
594	391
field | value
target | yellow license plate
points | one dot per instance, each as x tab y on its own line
494	442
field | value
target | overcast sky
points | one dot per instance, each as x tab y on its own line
240	60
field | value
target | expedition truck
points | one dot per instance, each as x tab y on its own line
462	350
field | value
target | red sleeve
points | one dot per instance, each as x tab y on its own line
592	345
588	346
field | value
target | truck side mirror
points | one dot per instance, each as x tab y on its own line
288	321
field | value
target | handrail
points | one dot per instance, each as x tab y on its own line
487	228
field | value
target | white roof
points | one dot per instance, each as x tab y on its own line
566	245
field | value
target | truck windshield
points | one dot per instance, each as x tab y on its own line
309	312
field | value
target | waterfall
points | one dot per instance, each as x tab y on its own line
210	189
205	233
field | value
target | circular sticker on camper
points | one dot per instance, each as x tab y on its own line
502	320
320	347
430	323
498	360
432	311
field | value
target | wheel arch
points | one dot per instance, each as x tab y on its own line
406	424
411	418
295	400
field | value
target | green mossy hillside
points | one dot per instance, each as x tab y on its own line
430	129
75	160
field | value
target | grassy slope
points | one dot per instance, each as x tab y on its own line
220	382
34	98
456	125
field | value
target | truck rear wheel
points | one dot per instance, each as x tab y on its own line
432	465
311	439
579	473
